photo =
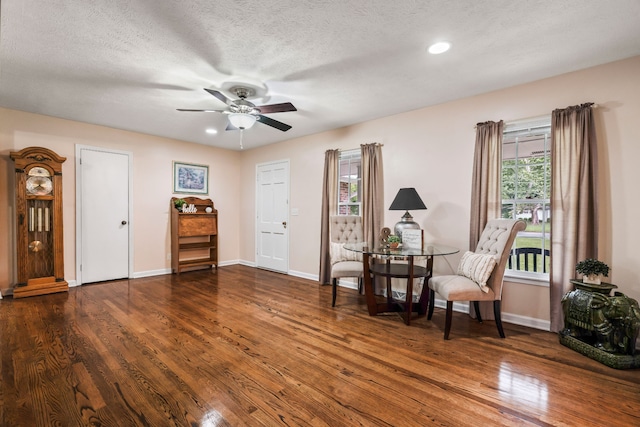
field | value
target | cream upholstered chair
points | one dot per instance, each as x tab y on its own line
344	263
480	273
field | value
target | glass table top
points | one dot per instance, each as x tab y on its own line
427	250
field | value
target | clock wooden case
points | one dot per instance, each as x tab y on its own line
39	238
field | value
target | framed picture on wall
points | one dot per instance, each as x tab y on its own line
190	179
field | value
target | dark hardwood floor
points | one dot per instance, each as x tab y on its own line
242	346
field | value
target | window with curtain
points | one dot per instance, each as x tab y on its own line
350	183
526	185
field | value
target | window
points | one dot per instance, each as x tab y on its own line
526	185
349	183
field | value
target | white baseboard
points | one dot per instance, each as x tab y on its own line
303	275
150	273
530	322
515	319
460	307
163	271
345	283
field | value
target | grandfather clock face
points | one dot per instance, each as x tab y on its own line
39	236
39	182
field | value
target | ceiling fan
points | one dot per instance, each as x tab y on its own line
243	114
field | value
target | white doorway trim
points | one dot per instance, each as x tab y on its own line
79	213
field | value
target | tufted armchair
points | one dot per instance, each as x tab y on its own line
480	273
344	263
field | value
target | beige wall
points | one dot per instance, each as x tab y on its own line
432	149
152	186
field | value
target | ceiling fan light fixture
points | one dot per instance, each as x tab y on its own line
242	120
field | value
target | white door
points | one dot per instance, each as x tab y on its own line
272	206
102	214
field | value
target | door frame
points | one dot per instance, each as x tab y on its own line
78	188
257	204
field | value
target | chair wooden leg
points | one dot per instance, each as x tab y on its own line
335	289
496	313
432	297
476	306
447	322
360	285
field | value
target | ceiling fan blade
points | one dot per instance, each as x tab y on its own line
220	96
276	108
273	123
201	111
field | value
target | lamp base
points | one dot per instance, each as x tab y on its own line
406	223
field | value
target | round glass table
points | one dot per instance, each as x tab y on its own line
377	262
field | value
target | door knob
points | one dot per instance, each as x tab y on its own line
123	222
284	223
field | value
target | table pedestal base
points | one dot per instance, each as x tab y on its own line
389	270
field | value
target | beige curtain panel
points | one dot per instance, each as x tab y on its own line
329	207
486	198
574	198
372	191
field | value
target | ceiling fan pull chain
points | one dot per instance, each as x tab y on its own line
241	133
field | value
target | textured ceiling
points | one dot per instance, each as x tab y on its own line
129	64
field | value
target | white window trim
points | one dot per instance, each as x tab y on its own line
535	279
516	276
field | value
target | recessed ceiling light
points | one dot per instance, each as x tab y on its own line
439	47
211	131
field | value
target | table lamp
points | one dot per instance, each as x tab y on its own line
407	199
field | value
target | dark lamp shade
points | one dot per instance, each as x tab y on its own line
407	199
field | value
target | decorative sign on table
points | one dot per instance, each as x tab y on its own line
189	208
412	239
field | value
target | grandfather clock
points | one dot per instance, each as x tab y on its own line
39	249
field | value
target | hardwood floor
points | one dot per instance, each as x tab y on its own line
243	346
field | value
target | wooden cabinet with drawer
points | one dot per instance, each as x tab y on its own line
194	235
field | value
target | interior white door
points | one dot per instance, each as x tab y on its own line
103	216
272	240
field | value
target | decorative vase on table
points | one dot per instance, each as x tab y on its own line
592	279
393	241
592	270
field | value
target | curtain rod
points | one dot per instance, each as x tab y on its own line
534	118
349	150
358	149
